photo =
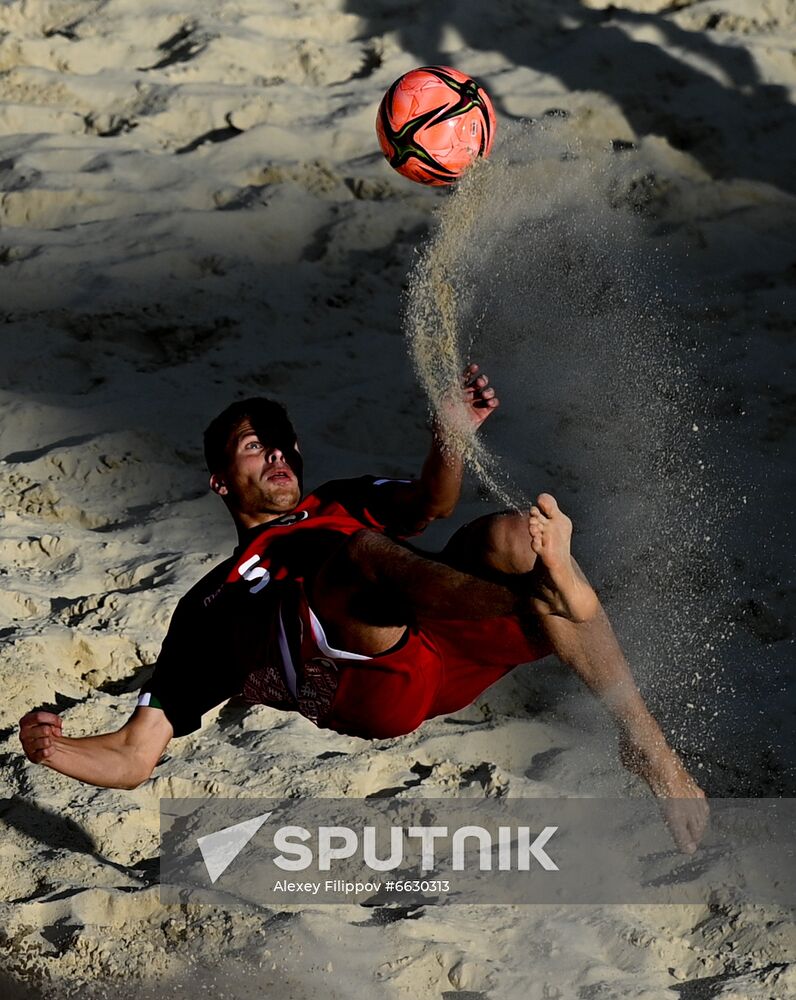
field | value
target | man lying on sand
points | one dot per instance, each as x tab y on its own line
320	610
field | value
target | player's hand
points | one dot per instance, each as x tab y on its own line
38	731
471	402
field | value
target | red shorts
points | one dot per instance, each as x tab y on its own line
438	668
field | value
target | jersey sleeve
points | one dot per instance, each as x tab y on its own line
189	679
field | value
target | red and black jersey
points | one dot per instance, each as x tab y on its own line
245	627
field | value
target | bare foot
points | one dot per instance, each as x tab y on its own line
682	802
565	590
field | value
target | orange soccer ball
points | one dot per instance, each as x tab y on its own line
433	122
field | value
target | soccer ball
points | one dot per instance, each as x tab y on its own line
433	122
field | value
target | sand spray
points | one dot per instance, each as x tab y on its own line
546	269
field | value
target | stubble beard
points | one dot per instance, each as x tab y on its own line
279	500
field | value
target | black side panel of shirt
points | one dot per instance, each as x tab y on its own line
193	672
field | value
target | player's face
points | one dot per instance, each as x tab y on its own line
258	483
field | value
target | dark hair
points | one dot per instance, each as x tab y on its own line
267	417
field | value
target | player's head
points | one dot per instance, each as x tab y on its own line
252	453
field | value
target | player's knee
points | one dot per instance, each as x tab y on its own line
506	542
497	542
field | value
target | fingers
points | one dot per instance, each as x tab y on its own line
38	731
478	396
471	380
488	403
476	383
477	390
485	398
39	742
37	750
32	734
37	716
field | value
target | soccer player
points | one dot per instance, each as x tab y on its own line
324	609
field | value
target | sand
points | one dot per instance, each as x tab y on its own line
193	208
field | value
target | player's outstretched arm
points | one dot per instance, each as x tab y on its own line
436	493
121	759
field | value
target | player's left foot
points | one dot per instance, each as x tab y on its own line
565	590
681	800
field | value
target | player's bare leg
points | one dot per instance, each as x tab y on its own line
592	651
371	588
496	546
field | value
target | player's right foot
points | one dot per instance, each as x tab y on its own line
565	589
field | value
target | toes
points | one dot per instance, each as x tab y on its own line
547	503
535	512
